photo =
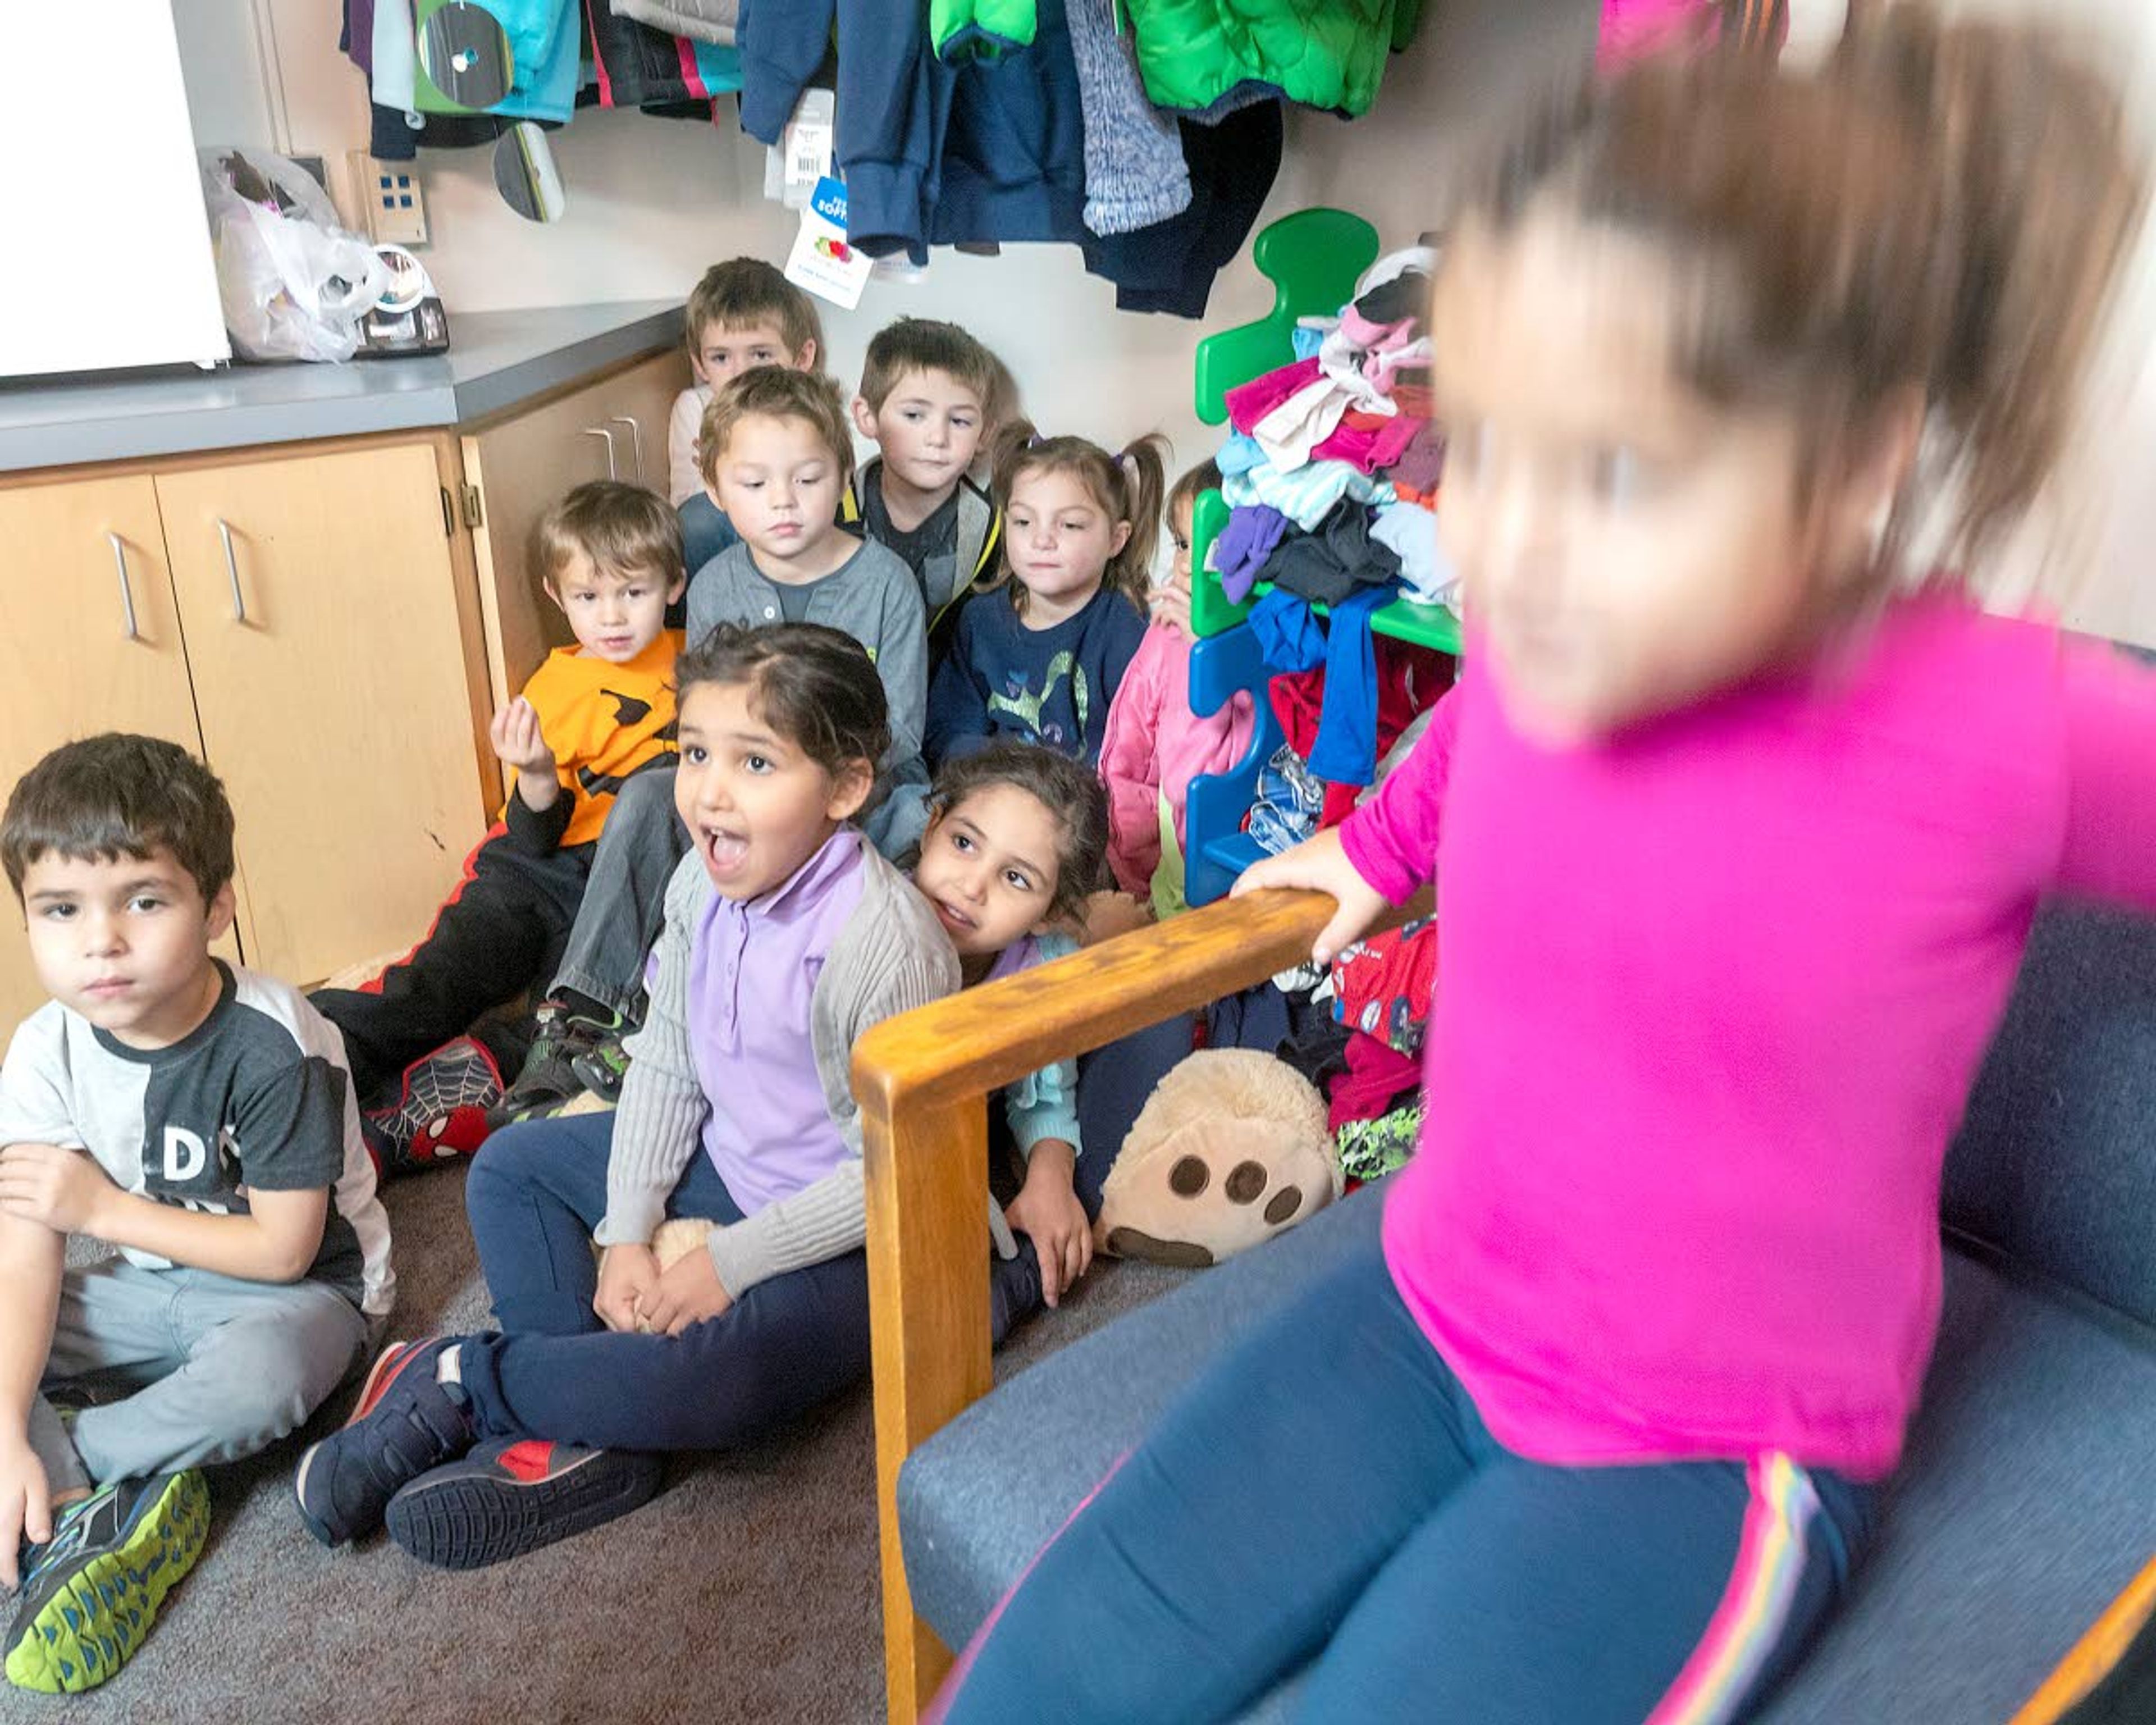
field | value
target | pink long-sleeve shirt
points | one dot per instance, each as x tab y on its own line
1154	746
1713	995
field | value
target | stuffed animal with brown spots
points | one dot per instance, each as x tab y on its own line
1231	1147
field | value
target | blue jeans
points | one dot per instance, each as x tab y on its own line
534	1195
624	898
217	1368
1327	1495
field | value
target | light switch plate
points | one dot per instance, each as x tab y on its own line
390	198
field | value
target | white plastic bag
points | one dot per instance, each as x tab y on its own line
294	283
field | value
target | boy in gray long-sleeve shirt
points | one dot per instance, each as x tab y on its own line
777	452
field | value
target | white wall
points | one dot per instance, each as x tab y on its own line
2090	549
650	203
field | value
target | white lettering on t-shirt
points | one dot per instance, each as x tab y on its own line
185	1155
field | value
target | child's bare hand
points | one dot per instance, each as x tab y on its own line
1047	1211
59	1189
688	1292
1321	865
1109	914
26	1505
628	1276
518	742
1171	603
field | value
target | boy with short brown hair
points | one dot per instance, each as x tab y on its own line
196	1117
591	717
931	396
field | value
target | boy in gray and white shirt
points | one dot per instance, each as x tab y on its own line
198	1117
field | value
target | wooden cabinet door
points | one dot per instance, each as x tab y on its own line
92	643
613	429
327	660
639	402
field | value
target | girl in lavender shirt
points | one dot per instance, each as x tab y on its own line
787	936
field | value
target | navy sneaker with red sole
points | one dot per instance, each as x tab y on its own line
510	1496
407	1422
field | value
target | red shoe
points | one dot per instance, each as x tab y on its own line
441	1110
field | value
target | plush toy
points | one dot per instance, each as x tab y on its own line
676	1240
1230	1148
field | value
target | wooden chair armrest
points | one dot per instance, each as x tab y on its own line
921	1081
2090	1659
968	1044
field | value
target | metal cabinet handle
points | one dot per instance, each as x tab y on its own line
635	441
613	472
232	569
126	594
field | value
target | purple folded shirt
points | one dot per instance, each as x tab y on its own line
1248	539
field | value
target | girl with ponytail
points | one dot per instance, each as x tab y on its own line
1037	657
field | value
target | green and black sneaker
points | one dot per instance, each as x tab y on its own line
549	1080
90	1593
602	1067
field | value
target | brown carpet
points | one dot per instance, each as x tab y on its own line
747	1594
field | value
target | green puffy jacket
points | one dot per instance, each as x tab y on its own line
979	29
1324	54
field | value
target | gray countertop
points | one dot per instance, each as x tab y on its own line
497	359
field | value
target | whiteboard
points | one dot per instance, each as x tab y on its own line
108	249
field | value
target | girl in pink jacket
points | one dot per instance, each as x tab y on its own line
1155	745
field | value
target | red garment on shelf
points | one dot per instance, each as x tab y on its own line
1369	441
1376	1074
1409	679
1382	986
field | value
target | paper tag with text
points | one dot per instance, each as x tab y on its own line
802	157
821	260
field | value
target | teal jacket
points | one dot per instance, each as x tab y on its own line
1043	1105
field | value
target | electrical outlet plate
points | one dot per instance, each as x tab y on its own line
390	198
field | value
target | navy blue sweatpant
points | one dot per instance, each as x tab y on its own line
1327	1492
534	1195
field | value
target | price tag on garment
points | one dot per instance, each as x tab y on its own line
801	160
822	261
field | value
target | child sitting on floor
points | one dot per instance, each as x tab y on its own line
1039	658
1015	843
930	397
592	718
786	936
198	1117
